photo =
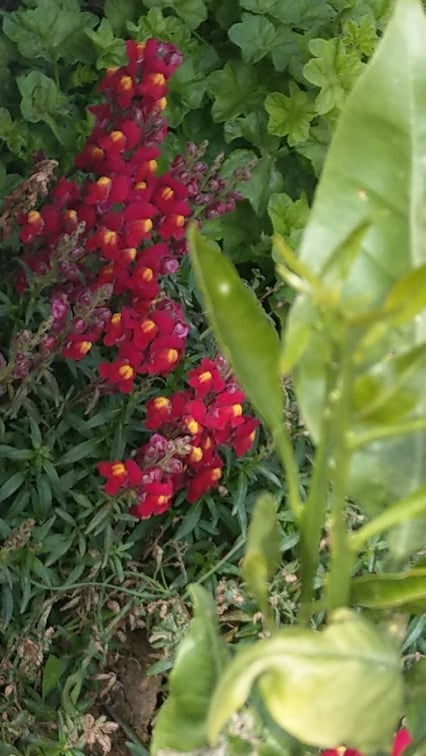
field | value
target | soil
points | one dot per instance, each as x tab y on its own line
135	697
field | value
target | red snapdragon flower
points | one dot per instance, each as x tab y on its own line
401	741
120	475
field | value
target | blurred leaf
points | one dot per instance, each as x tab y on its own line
309	681
389	591
388	99
201	657
242	329
120	15
52	673
262	554
7	605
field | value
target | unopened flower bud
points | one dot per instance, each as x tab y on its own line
48	346
78	325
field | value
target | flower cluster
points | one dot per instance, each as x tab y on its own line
102	246
401	741
183	452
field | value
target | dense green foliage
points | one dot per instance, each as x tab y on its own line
264	82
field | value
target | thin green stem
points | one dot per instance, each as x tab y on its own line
313	517
357	441
288	461
341	560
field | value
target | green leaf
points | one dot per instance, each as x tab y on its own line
264	173
303	14
255	35
181	723
7	605
111	51
11	485
392	388
52	673
85	449
262	554
290	116
242	328
235	90
41	98
360	36
406	590
50	31
288	216
332	69
193	12
154	24
366	167
310	680
119	15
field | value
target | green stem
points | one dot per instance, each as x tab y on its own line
288	461
341	559
357	441
313	517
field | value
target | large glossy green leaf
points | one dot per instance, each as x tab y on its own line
310	680
181	723
373	178
242	328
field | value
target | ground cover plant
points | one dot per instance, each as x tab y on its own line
116	403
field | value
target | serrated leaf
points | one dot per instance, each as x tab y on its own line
41	98
242	328
332	69
309	681
290	116
50	31
235	90
288	216
111	50
255	35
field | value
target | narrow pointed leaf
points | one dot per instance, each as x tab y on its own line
262	554
244	332
390	591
